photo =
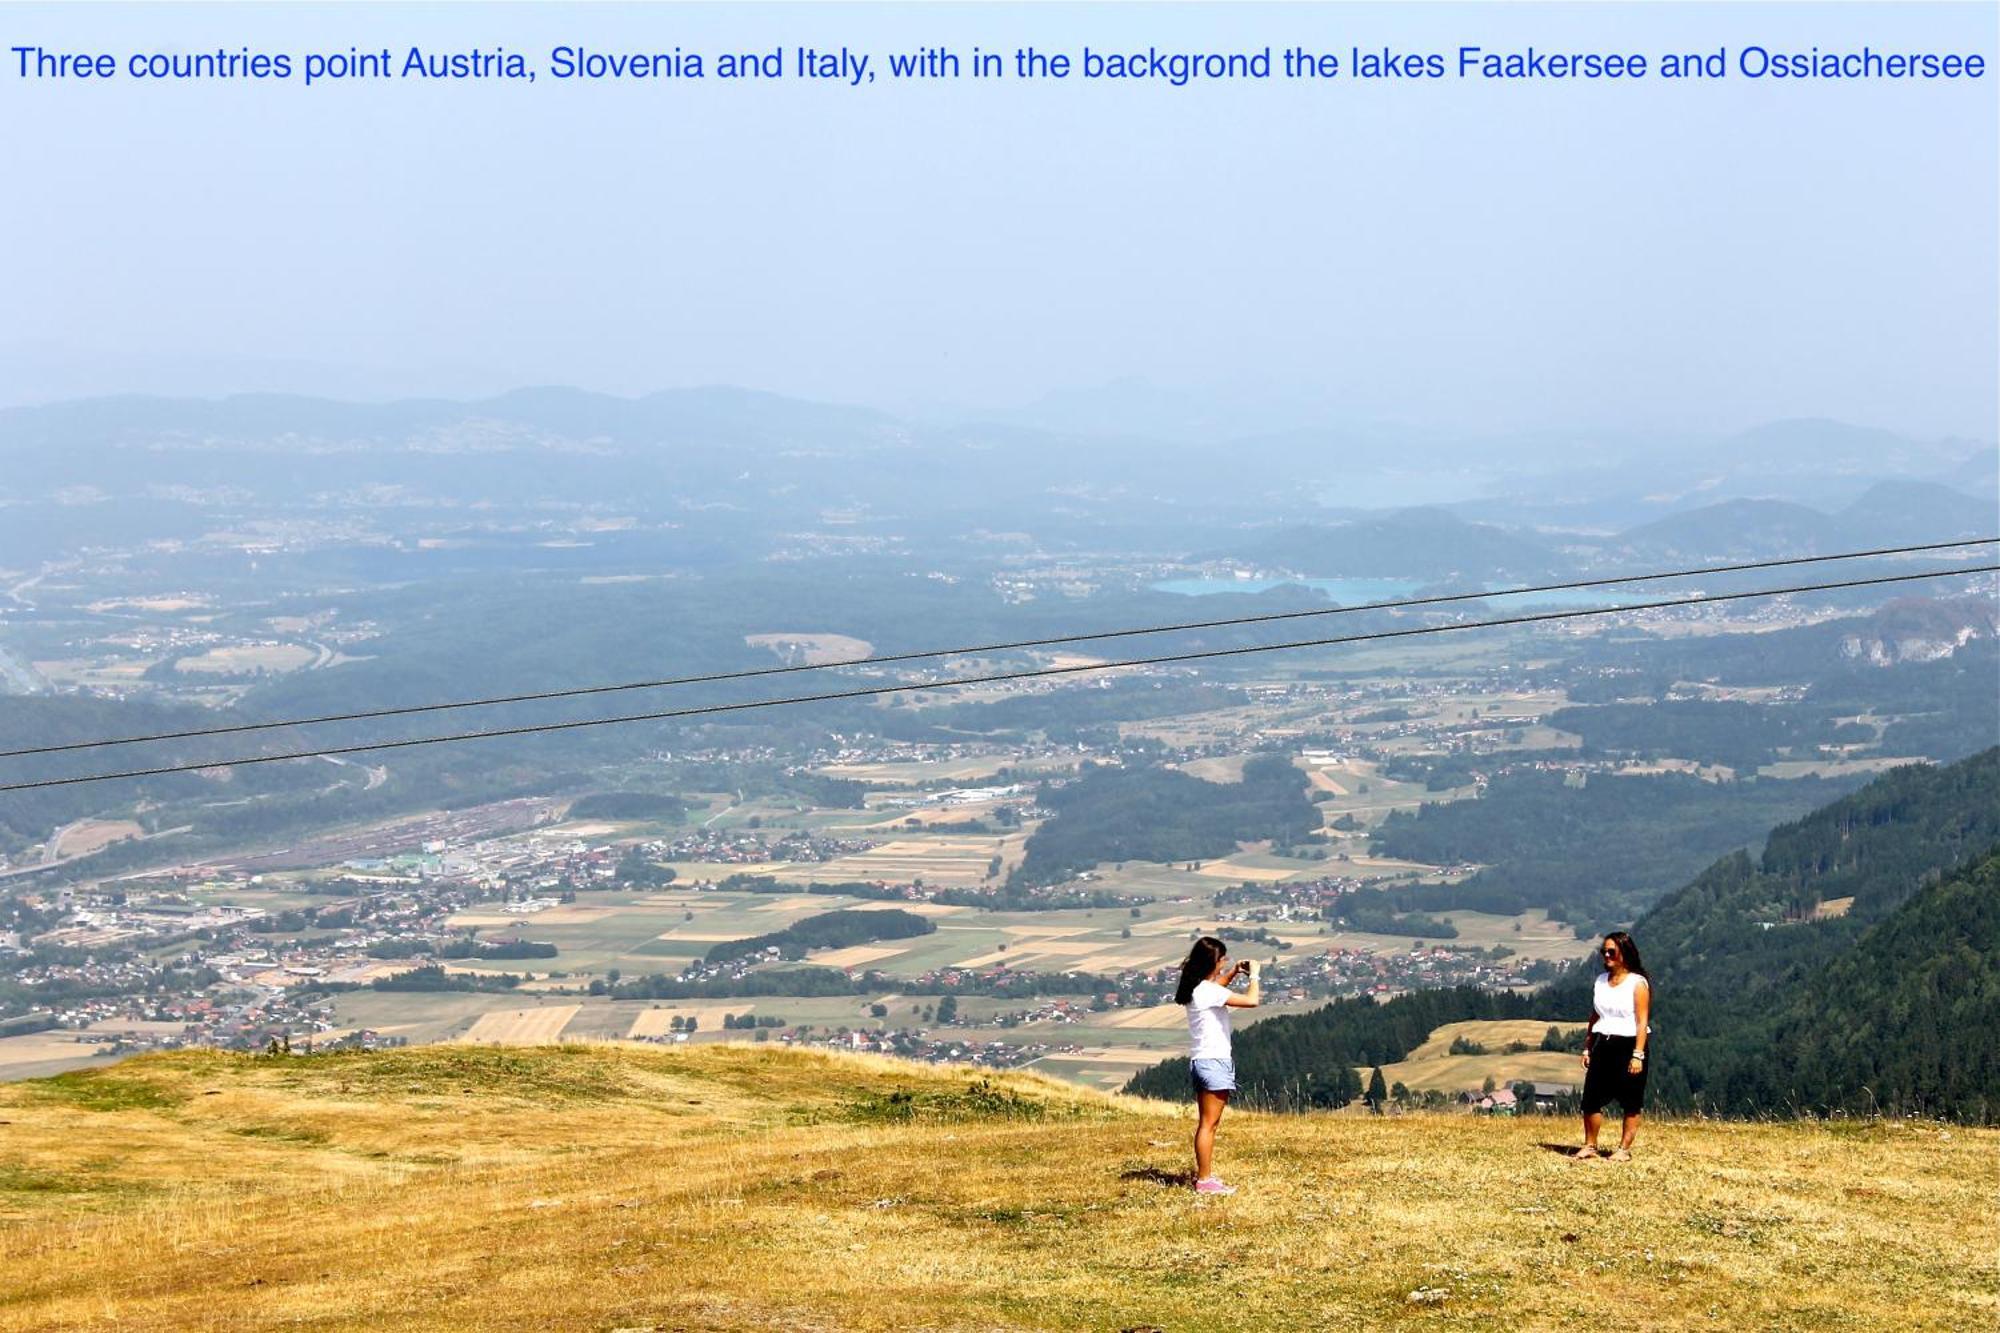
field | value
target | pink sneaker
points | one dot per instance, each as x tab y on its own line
1211	1185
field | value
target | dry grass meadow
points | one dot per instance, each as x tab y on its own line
747	1187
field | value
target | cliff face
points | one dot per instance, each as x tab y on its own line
1920	630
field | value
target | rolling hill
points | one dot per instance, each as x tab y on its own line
735	1187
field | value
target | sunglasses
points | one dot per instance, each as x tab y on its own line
1611	953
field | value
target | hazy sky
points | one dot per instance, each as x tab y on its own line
1659	254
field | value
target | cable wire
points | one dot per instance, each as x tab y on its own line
913	686
1264	618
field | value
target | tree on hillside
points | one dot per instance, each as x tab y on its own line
1378	1091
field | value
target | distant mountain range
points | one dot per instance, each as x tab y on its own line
1435	543
141	467
1427	544
1887	513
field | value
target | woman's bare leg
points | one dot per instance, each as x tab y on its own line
1209	1105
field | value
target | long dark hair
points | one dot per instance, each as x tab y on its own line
1200	966
1628	952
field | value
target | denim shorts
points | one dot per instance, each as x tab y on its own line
1212	1075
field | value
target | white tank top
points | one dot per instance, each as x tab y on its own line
1617	1006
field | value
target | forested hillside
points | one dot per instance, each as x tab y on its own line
1908	1019
1735	953
1596	854
1163	814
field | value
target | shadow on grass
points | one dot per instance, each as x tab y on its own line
1154	1175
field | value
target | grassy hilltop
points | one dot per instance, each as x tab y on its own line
598	1187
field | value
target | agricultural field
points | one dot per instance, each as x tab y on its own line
106	673
970	768
247	659
1433	1068
638	933
90	835
39	1054
929	857
811	649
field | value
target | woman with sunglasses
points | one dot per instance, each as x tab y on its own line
1614	1046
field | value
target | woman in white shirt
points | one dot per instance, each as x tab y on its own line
1614	1047
1204	989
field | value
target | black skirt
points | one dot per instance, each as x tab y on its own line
1609	1078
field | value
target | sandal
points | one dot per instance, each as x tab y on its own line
1619	1155
1585	1154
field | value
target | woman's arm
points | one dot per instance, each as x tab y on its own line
1251	998
1589	1035
1642	1006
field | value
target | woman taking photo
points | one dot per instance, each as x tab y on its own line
1204	989
1614	1045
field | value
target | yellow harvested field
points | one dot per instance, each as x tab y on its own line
522	1027
1320	778
1123	961
813	649
1230	870
148	1027
1433	1068
569	915
959	861
90	835
914	908
1493	1034
85	671
1218	768
36	1047
370	971
1833	907
706	1013
943	817
1171	925
1160	1016
858	955
790	904
149	604
1068	955
699	871
1385	863
1114	1055
245	658
593	828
